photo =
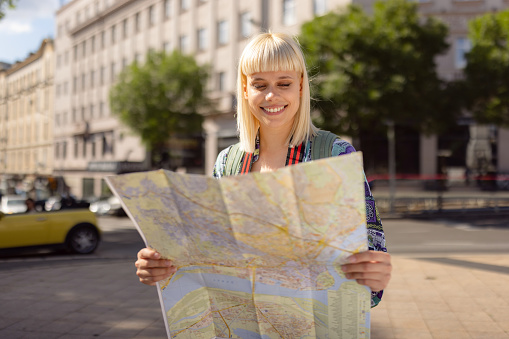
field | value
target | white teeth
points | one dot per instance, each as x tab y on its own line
274	110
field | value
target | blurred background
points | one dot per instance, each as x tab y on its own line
91	88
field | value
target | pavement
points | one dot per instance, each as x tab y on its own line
431	295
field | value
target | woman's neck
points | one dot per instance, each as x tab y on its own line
274	140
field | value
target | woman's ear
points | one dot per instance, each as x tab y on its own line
244	89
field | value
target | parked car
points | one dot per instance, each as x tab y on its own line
73	229
57	203
108	206
12	204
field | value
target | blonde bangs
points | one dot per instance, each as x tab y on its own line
269	55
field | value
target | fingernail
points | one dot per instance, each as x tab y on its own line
348	275
169	263
343	268
352	259
157	255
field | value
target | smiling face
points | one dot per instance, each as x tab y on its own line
274	97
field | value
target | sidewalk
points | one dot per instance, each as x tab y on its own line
453	296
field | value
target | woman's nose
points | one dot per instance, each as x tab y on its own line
271	93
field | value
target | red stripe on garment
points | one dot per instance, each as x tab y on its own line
247	162
297	157
291	157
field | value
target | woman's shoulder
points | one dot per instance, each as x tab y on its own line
220	165
341	146
338	146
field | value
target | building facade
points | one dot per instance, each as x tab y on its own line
26	121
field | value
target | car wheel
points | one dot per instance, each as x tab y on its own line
83	239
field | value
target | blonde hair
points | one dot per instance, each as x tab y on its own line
269	52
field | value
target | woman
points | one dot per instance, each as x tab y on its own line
273	118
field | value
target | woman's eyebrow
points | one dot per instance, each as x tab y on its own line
280	78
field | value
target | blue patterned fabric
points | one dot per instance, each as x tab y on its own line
376	236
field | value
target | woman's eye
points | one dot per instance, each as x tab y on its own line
284	85
259	86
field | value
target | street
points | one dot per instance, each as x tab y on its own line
59	295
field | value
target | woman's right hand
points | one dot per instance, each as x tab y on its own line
151	268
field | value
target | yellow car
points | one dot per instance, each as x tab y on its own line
74	229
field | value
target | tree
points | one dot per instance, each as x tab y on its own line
161	98
9	3
487	70
370	70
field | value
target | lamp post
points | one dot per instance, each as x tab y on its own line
392	164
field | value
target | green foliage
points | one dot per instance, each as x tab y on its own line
487	70
370	69
161	97
9	3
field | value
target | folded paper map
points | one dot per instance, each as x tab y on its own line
258	255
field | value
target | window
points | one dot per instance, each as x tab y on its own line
166	48
75	147
222	32
91	111
92	44
113	34
167	9
64	150
245	24
112	72
184	5
221	81
74	115
125	28
289	12
75	84
92	79
124	63
184	43
151	16
103	70
75	52
84	48
83	82
202	39
319	7
137	20
463	46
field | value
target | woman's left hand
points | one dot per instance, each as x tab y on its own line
370	268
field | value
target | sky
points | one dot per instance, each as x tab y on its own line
24	27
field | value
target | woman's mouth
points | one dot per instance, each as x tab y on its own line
273	110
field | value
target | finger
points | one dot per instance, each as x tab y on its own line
151	263
376	256
148	253
152	281
368	266
377	281
155	272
